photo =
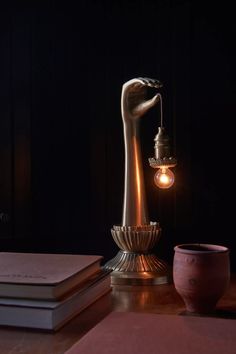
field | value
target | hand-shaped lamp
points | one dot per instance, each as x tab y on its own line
134	263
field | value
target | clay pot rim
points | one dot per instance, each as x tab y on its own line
209	248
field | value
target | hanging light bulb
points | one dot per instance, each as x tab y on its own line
164	178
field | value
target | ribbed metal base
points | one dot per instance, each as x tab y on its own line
134	264
138	269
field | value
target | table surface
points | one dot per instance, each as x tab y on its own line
161	299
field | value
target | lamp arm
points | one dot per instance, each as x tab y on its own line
133	107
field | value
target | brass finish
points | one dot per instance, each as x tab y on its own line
141	278
133	107
162	149
136	238
166	162
138	269
128	261
135	264
162	144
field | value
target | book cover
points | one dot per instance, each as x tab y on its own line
52	315
41	275
146	333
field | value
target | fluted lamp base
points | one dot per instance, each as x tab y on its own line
135	264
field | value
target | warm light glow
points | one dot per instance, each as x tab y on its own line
164	178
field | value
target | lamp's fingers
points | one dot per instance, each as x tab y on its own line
150	82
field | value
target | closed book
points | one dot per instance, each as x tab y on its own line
52	315
147	333
44	276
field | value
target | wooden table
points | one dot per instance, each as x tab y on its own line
155	299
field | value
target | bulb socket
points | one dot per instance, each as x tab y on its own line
162	144
162	151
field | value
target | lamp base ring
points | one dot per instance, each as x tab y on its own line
131	268
139	278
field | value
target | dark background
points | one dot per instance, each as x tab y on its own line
62	66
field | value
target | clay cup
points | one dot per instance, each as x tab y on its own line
201	275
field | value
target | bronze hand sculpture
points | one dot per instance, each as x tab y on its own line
136	236
133	106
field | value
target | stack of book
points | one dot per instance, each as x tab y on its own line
45	291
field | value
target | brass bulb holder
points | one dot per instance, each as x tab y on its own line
162	150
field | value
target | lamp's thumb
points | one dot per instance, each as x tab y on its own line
143	107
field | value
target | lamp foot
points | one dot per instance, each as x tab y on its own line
131	268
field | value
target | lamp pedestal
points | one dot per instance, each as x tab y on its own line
134	264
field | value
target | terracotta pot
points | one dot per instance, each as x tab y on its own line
201	274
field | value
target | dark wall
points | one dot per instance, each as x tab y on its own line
62	66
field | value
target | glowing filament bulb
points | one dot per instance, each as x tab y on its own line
164	178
